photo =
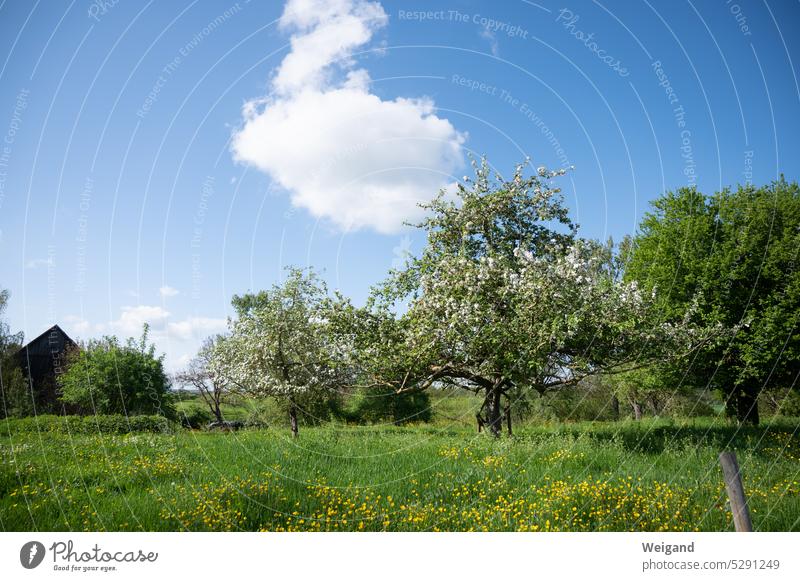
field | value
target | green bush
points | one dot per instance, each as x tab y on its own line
791	405
781	402
693	405
582	403
99	424
109	377
195	418
314	408
382	405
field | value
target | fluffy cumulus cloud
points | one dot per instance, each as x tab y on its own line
167	291
178	338
342	152
195	328
133	318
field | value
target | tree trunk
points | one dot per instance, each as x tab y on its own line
637	410
747	406
217	412
615	407
508	419
654	406
293	417
493	414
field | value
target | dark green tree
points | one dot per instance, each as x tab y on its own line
16	400
109	377
730	259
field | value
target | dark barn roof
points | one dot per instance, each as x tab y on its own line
42	360
44	343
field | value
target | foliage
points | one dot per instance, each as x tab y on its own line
590	399
106	377
790	405
729	259
505	297
638	386
195	418
16	400
780	402
384	404
281	346
314	407
86	425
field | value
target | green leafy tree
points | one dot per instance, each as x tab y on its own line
730	259
280	346
13	387
505	297
108	377
643	386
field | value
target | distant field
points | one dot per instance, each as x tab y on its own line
449	409
650	476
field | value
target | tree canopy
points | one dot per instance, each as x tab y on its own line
729	259
505	297
16	397
106	376
280	345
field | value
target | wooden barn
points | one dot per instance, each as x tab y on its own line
42	360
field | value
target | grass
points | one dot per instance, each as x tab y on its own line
648	476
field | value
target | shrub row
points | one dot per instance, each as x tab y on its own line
98	424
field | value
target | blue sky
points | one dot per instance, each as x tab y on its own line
156	158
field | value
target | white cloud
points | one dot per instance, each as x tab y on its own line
196	327
80	327
133	319
178	339
182	361
327	32
342	152
401	252
167	291
488	35
38	262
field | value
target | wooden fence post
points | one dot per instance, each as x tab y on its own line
733	484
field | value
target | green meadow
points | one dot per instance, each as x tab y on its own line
651	475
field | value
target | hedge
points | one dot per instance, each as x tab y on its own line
99	424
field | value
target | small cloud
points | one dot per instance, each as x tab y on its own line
38	263
401	252
196	327
133	319
182	361
168	291
82	327
487	34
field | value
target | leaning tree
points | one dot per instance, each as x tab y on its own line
212	387
280	346
504	297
